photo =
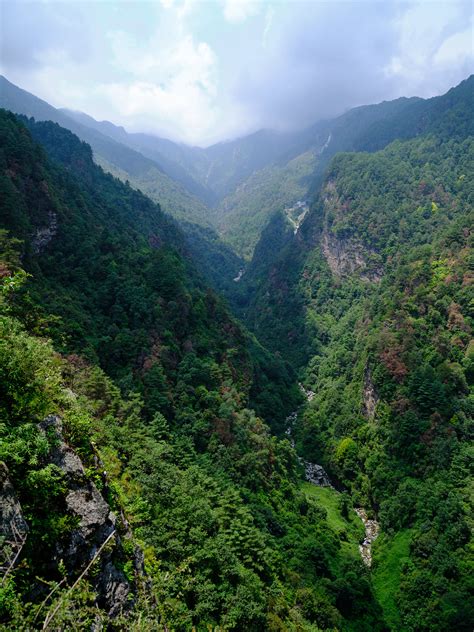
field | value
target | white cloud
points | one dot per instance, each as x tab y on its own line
269	15
202	71
455	48
430	37
174	84
237	11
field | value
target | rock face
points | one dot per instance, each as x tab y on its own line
96	523
348	256
370	397
13	527
316	474
345	255
44	235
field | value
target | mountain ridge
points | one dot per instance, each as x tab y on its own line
237	181
172	194
363	294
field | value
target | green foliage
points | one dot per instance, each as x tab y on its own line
390	554
29	374
383	340
212	496
388	358
243	214
160	387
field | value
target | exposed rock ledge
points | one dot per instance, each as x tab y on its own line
348	256
44	235
96	523
345	255
371	532
370	397
316	475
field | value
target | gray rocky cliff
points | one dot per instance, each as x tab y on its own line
370	397
44	235
316	474
345	255
95	523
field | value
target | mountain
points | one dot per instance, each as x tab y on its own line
234	187
165	153
215	260
242	215
212	172
163	468
293	175
125	222
438	116
141	488
296	177
446	115
372	299
117	158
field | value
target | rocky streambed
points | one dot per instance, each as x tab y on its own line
317	475
372	529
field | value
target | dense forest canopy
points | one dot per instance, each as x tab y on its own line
155	434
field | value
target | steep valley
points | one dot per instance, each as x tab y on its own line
266	432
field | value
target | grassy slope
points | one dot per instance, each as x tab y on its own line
350	531
389	556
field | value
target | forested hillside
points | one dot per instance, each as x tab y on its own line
122	161
373	300
160	456
142	486
234	187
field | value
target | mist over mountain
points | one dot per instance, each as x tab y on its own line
202	73
235	186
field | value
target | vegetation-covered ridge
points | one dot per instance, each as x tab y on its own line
133	439
143	449
236	186
373	298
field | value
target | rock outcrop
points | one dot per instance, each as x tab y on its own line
370	396
96	523
13	527
345	255
316	474
371	532
44	235
348	256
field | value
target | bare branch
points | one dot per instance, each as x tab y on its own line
16	544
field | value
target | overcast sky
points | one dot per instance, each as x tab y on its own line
205	71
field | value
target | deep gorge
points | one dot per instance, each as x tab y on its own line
183	451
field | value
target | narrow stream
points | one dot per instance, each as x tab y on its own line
240	275
317	475
372	529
